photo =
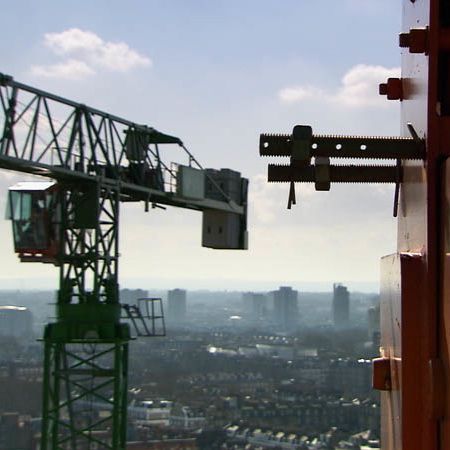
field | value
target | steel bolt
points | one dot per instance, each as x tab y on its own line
416	40
393	89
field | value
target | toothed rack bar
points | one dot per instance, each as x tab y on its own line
333	146
310	158
337	174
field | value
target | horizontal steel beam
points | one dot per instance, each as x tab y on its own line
337	174
128	191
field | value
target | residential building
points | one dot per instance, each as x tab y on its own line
285	304
255	305
341	306
176	299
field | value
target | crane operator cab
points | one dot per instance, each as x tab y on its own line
32	209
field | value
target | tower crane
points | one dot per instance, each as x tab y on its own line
92	161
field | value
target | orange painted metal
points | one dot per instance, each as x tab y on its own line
402	344
416	281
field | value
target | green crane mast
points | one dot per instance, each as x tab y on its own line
95	161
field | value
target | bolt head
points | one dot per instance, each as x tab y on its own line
393	89
416	40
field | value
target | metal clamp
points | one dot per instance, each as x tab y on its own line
310	158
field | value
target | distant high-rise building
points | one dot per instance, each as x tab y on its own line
16	321
285	305
259	305
373	322
255	304
341	306
176	299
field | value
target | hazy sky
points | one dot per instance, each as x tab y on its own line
217	74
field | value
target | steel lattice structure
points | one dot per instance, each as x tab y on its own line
98	160
48	135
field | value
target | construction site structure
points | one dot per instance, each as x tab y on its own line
92	161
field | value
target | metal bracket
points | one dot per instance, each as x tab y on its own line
310	158
147	317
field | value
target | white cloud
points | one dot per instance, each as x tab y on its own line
71	69
300	93
73	40
85	53
267	199
360	85
120	57
264	199
359	88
